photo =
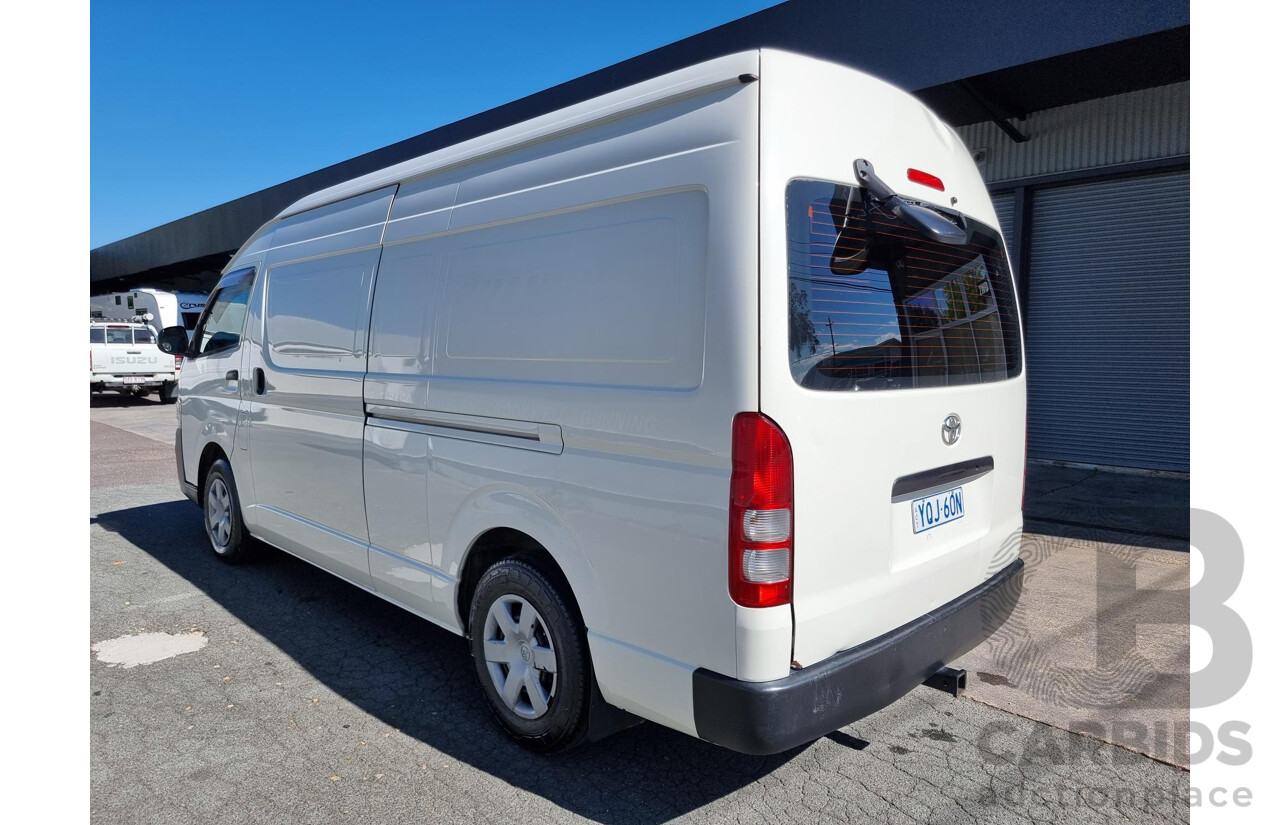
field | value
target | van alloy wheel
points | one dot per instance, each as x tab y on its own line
218	513
222	521
529	649
520	656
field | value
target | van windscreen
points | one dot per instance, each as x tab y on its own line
873	304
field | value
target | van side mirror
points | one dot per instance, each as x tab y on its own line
173	340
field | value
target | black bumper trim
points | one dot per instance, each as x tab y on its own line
768	717
189	490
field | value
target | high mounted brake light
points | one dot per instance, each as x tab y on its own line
761	489
925	179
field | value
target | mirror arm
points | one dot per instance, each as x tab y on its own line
932	223
866	175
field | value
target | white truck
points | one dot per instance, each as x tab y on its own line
167	309
123	357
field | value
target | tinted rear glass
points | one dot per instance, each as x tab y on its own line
119	335
97	336
873	304
142	335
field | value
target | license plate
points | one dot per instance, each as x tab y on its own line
939	508
134	379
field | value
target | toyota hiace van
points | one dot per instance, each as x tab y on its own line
700	402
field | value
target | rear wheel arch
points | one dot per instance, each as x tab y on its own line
497	544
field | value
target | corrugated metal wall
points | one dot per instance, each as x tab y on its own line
1143	125
1003	202
1109	323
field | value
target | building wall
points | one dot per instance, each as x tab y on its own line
1095	210
1137	126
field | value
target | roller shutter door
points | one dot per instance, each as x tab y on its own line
1108	323
1003	202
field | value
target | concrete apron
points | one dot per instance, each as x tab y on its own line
1098	645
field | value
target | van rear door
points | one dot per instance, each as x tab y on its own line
892	362
904	412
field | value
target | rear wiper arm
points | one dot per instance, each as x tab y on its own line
934	225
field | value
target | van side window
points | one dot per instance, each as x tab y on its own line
223	320
97	335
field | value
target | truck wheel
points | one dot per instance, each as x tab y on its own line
531	656
169	392
222	522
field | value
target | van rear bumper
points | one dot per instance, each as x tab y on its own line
768	717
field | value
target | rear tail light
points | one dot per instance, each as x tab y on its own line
177	363
760	513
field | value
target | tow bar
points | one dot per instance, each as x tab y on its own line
948	680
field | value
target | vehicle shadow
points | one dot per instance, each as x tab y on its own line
419	678
115	399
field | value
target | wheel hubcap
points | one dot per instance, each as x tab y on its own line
218	515
520	657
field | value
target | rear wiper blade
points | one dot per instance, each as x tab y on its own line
930	222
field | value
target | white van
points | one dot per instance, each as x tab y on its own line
702	400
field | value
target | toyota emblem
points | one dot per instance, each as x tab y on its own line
951	429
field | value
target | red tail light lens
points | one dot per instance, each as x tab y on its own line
177	363
925	179
761	511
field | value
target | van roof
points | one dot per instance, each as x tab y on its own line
697	79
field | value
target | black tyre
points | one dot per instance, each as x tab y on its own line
222	521
531	656
169	392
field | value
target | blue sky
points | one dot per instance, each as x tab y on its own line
194	104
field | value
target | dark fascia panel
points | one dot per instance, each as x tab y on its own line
1139	63
915	44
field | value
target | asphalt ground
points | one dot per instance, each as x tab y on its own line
304	699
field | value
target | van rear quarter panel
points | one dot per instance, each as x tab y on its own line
603	283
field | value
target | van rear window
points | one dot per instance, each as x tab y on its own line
873	304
